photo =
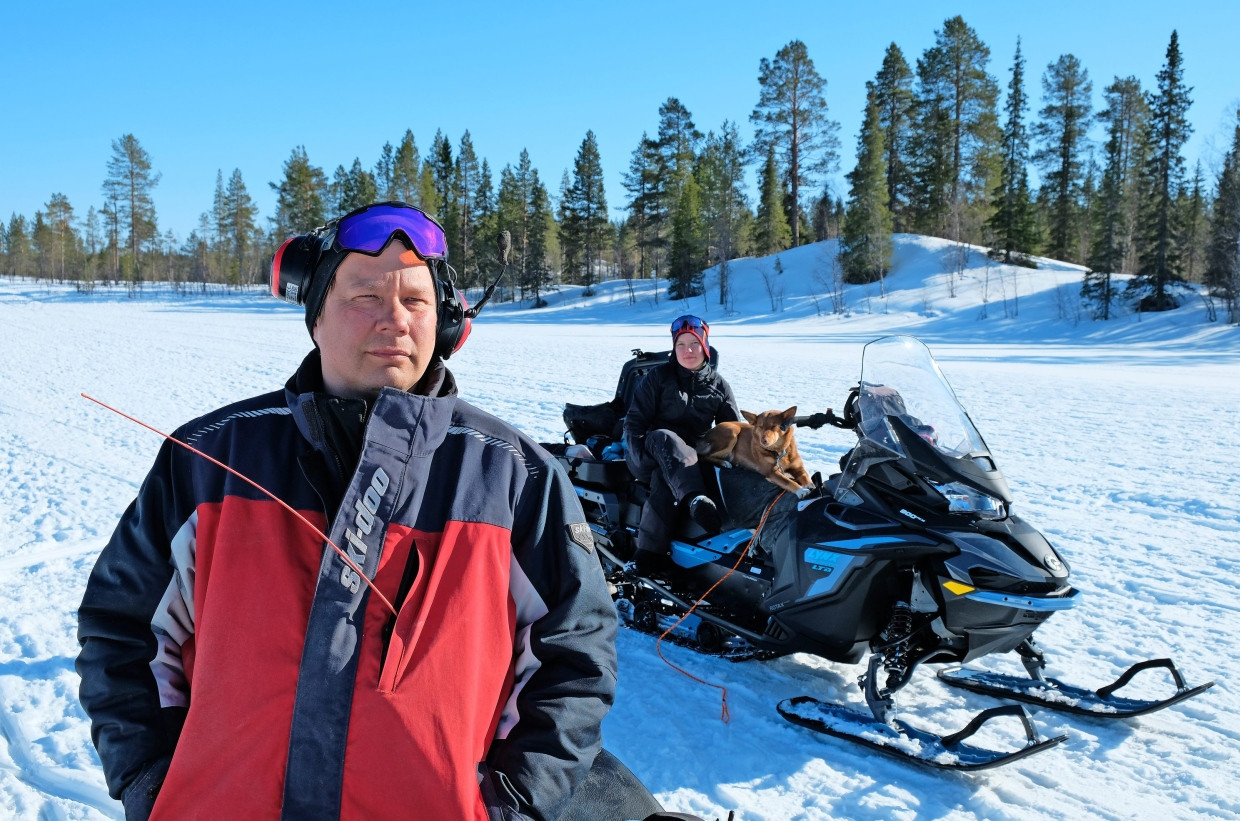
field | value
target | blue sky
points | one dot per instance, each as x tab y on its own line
207	87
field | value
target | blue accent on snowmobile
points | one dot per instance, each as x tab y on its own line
1037	605
864	542
708	550
835	565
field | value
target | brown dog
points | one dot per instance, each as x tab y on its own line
763	445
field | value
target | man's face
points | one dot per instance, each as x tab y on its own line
377	328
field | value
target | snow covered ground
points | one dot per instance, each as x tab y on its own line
1119	440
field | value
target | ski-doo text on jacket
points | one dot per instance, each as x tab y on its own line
219	630
671	397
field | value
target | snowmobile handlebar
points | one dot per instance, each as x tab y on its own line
817	420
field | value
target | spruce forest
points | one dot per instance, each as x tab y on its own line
952	145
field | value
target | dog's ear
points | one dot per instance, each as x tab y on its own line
751	418
791	412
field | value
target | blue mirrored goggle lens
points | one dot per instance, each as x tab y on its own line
370	230
692	323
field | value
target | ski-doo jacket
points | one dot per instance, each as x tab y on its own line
218	629
672	397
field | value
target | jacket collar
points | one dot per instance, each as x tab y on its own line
414	422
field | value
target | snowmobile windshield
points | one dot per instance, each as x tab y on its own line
903	390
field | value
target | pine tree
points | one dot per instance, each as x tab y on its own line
41	243
522	210
537	254
484	248
129	182
427	197
384	173
352	189
1192	220
91	236
688	243
300	206
1113	246
1061	134
725	206
865	244
1163	174
465	184
644	186
406	171
584	226
1223	254
219	210
791	117
771	231
240	219
893	92
63	237
443	172
1013	223
17	246
957	142
676	144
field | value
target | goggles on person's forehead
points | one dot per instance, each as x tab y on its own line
368	230
688	322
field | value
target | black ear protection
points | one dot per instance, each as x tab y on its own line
453	319
303	268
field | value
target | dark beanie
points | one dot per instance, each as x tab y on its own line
320	283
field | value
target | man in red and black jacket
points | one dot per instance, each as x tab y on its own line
234	665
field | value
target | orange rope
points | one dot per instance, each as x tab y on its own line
352	565
725	715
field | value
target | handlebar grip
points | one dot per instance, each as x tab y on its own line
814	420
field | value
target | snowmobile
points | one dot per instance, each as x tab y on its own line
911	553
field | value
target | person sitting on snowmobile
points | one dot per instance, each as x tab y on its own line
675	405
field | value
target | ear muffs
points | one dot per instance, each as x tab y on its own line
453	323
293	267
292	279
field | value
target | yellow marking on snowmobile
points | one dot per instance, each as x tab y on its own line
958	588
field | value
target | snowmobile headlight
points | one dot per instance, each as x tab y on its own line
963	499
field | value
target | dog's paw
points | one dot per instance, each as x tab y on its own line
805	492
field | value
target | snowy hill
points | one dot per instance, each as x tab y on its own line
1118	439
937	289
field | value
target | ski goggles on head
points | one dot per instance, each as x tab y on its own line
368	230
690	323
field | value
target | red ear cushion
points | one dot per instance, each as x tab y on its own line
276	289
460	343
467	323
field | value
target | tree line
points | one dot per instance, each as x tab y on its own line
936	155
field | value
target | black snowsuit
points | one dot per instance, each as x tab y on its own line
672	409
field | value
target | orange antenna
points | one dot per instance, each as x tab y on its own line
352	565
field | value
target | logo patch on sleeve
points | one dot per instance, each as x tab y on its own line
579	533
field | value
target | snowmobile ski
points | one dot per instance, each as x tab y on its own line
1056	695
902	740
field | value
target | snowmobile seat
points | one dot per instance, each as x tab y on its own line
607	418
581	465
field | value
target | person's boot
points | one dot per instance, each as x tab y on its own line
703	511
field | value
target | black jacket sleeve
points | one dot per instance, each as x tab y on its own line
130	729
639	421
564	694
729	411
